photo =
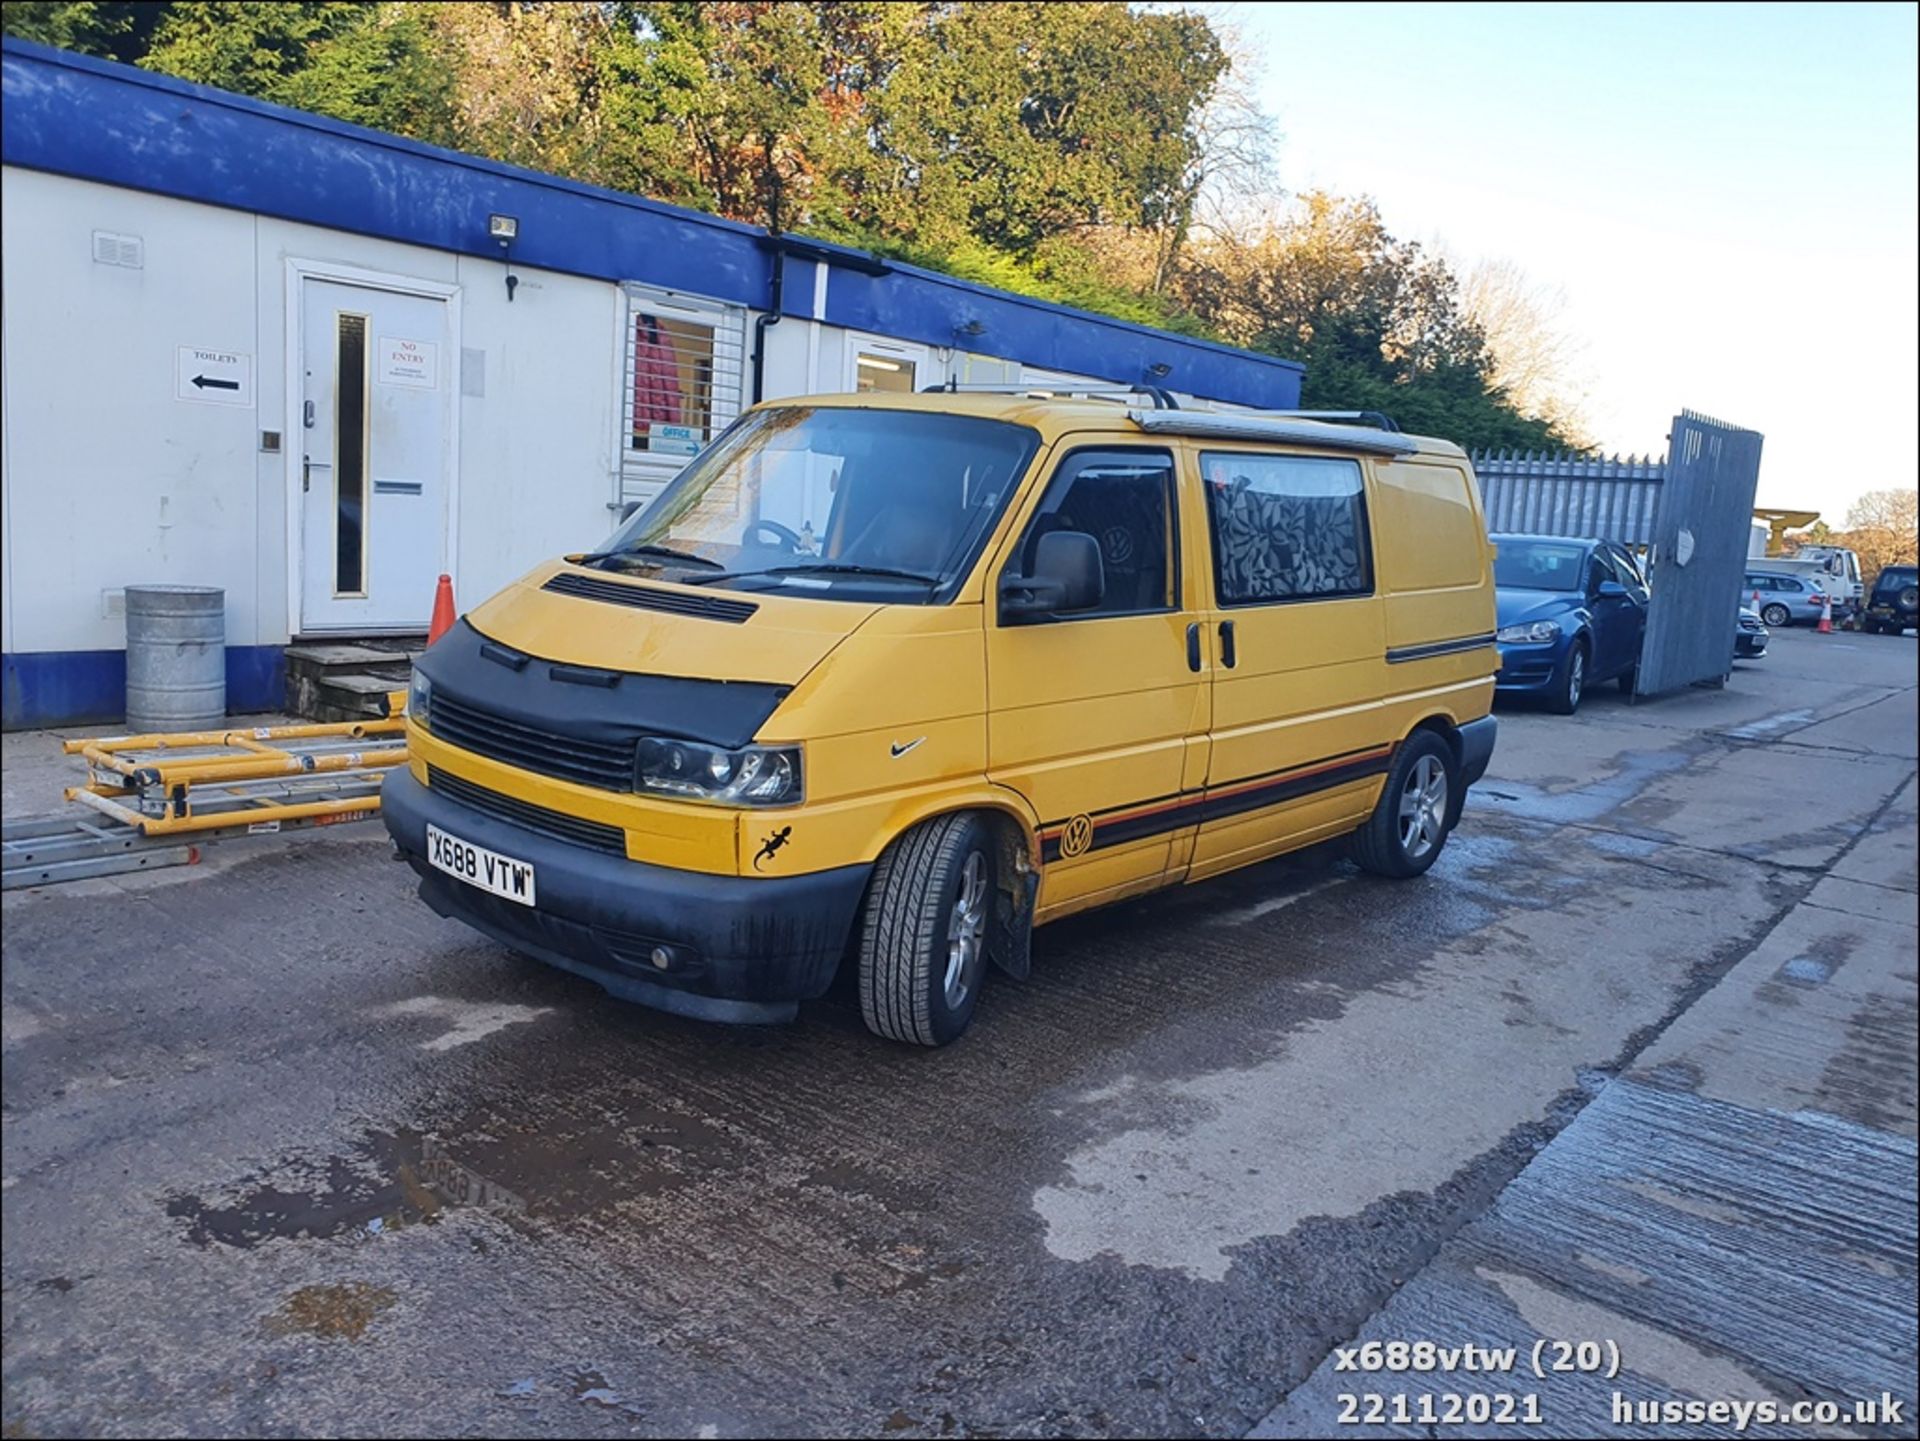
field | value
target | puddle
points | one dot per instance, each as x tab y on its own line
1638	769
1806	971
1614	843
392	1181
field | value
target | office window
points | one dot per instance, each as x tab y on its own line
683	377
893	373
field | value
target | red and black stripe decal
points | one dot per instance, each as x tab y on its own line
1141	819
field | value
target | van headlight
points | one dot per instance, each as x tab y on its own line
419	697
1534	632
748	776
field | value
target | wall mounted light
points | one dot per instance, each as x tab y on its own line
1159	370
505	229
971	328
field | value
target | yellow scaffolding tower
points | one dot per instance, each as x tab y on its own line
157	795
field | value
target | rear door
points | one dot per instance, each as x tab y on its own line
1099	718
1299	733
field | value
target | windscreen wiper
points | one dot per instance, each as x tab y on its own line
828	567
664	552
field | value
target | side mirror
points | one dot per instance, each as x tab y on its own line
1610	590
1067	576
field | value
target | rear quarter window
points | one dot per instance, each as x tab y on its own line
1429	532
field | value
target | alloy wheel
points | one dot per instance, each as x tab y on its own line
967	931
1423	807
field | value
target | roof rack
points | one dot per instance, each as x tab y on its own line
1372	432
1041	390
1288	426
1378	419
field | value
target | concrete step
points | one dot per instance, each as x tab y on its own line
348	680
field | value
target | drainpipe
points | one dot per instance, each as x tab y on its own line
781	246
769	317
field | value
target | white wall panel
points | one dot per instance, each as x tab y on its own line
112	479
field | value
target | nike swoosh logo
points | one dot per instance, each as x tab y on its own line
900	750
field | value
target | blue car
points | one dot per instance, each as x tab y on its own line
1572	613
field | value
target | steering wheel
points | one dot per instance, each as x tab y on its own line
789	538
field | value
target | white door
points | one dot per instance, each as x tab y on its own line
376	443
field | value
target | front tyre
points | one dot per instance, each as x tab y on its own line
1410	823
923	933
1571	683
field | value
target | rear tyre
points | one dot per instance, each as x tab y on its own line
1870	625
1571	683
923	934
1413	817
1776	616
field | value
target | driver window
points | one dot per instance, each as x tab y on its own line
1597	571
1124	499
1629	575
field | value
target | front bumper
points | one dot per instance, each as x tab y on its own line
739	948
1749	644
1526	668
1476	748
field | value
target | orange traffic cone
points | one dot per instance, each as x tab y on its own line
442	610
1826	615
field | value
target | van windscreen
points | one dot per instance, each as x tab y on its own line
835	502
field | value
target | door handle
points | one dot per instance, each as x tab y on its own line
1227	653
306	474
1193	646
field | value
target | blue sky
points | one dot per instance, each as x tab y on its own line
1725	194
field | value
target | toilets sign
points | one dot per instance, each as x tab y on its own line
213	377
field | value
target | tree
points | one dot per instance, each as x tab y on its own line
1881	528
119	31
1016	122
1378	322
1533	356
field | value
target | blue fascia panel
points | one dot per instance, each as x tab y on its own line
936	309
119	125
84	687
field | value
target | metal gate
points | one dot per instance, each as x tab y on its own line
1699	553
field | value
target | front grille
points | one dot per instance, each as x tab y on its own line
572	829
606	764
641	597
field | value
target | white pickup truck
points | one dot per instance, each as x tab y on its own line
1837	567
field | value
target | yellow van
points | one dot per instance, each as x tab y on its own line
892	680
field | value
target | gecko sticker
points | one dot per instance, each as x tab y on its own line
771	844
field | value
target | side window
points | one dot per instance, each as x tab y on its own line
1597	571
1124	500
1287	527
1629	573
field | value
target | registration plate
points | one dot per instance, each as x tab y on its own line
478	866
